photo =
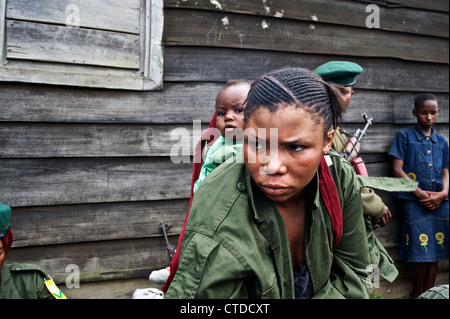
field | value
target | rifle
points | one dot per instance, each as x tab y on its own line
170	248
351	150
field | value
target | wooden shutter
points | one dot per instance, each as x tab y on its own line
90	43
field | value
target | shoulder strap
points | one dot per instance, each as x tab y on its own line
328	191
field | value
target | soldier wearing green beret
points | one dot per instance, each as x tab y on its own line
21	281
344	74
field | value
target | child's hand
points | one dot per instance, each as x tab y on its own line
433	201
421	194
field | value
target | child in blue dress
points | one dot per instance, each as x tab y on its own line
423	155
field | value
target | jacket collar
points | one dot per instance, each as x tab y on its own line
420	135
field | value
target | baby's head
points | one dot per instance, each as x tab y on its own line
230	105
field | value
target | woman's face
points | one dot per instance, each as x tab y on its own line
281	166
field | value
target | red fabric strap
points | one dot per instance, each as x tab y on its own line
328	191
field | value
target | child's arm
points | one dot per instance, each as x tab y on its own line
436	198
397	166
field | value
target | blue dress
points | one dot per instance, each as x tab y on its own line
425	233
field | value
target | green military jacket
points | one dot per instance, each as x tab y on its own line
235	243
23	281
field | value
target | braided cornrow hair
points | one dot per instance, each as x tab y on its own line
296	86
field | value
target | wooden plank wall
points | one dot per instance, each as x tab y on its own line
38	31
88	172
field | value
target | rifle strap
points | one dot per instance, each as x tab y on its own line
328	191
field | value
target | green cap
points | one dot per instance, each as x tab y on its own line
339	72
5	216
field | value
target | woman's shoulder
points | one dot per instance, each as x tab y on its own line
216	195
227	174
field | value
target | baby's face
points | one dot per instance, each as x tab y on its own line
230	108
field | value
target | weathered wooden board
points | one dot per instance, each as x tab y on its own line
88	140
85	14
40	182
177	103
438	5
106	260
385	107
2	33
205	28
108	45
50	225
107	140
112	289
379	137
52	43
350	13
189	64
303	8
75	75
213	64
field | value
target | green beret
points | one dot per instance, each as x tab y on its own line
339	72
5	216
